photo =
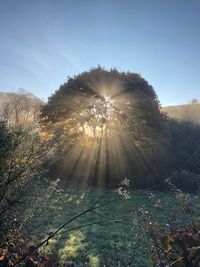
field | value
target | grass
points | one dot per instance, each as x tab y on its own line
97	244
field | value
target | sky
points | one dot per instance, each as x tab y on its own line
42	42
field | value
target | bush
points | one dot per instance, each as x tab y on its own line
22	155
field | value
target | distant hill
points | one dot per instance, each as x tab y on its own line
188	112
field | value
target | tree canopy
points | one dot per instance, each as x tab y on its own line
88	101
117	113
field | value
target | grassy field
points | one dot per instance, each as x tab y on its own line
111	234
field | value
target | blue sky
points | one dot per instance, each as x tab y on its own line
42	42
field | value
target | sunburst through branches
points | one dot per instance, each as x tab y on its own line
109	121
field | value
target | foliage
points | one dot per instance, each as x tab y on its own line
113	116
173	239
22	157
85	99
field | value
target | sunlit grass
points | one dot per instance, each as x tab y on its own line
98	242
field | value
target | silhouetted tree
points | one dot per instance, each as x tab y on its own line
119	112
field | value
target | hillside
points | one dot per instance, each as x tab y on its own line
188	112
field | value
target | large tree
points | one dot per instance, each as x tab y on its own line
118	114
